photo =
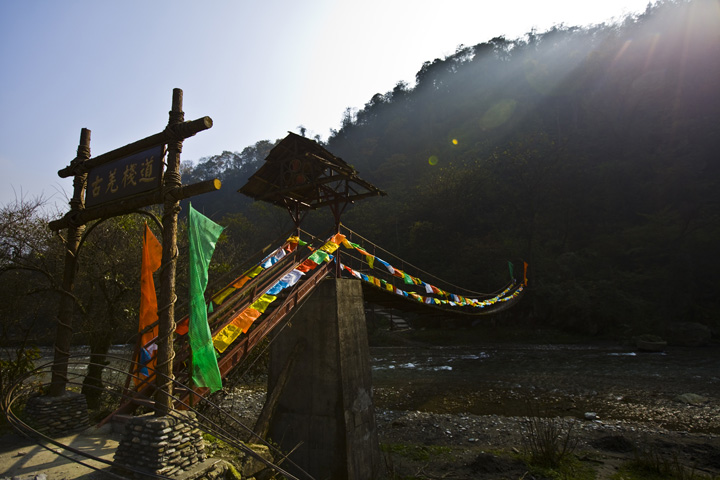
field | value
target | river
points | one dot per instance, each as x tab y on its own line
521	379
559	380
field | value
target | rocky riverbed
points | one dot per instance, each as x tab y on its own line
464	412
476	402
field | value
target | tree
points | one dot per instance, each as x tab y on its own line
29	268
108	286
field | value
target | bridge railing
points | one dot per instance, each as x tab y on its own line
234	299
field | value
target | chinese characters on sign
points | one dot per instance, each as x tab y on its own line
128	176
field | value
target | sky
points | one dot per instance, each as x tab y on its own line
258	69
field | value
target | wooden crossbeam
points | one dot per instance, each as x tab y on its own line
171	133
126	205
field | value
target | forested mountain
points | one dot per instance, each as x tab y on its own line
591	153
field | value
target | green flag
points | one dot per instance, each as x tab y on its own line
512	270
203	234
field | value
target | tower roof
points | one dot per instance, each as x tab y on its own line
299	173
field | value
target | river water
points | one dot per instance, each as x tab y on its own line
532	379
564	380
118	357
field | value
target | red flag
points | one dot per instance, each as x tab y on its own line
151	260
182	327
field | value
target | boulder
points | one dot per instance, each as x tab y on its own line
251	466
650	343
688	334
691	399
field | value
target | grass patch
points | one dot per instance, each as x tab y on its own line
570	468
216	447
419	453
649	464
422	454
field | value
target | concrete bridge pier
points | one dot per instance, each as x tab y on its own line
326	405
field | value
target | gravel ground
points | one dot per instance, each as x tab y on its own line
443	418
489	446
425	444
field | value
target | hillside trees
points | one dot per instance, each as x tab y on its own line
233	169
589	152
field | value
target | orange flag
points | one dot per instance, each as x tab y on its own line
151	260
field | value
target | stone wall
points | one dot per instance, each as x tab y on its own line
166	445
57	415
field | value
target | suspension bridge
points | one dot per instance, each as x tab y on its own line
259	298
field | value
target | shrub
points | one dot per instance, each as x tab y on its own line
14	363
548	441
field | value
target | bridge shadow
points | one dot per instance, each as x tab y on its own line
21	457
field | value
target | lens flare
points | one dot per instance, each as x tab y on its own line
498	113
433	160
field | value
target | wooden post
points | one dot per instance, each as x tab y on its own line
262	424
166	302
63	335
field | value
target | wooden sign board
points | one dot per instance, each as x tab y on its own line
126	177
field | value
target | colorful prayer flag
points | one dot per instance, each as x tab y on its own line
319	256
203	235
386	265
262	303
151	261
240	324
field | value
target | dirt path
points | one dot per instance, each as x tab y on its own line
21	458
